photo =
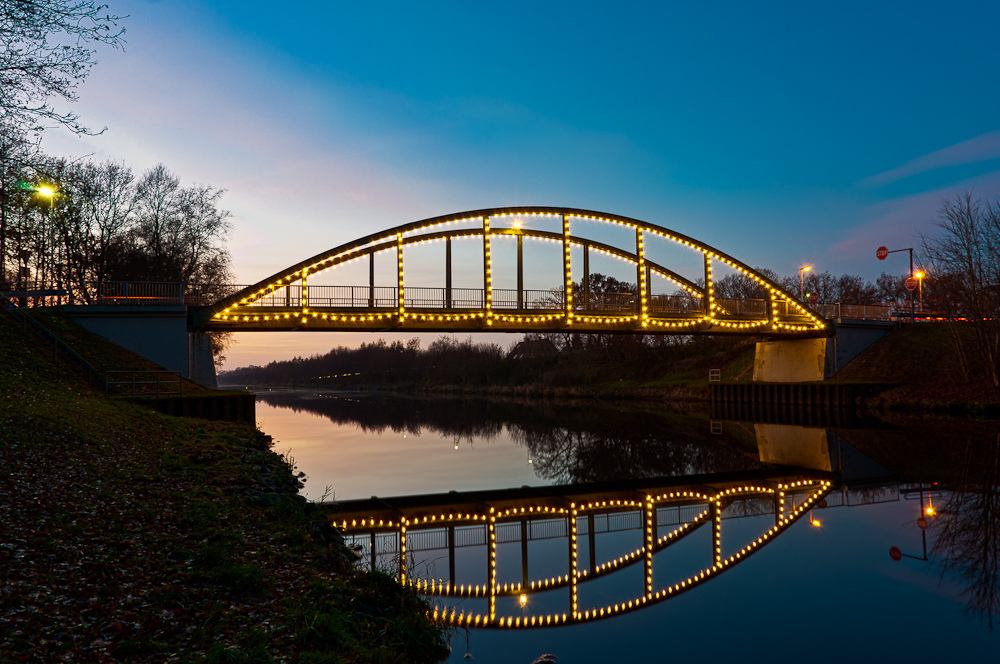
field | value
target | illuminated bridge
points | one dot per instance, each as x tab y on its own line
715	521
664	301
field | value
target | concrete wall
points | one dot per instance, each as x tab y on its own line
201	363
853	338
805	360
793	446
157	333
791	361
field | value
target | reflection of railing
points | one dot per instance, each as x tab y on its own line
493	518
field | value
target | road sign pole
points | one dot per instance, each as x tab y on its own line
882	253
911	292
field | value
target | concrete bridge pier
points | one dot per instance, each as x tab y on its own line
807	360
158	333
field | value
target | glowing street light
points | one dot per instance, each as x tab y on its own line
920	282
802	281
45	191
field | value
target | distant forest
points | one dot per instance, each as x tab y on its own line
556	360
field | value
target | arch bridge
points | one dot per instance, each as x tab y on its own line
292	300
666	513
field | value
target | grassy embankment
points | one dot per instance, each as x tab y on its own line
922	363
126	535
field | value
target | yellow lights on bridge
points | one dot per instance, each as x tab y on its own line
785	315
714	502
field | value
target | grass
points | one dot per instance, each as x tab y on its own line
126	535
922	362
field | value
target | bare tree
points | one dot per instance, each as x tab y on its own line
968	540
891	288
47	51
853	289
965	258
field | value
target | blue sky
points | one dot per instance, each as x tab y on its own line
782	133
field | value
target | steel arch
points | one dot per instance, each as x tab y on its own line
244	311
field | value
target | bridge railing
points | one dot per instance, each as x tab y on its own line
740	307
386	297
858	311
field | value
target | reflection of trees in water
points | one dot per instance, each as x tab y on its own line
584	456
452	418
968	529
567	442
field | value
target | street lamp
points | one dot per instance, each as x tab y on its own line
802	281
48	192
920	281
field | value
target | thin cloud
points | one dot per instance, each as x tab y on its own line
980	148
900	220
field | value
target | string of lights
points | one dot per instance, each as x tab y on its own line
783	313
714	502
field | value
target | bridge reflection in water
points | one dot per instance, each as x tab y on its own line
666	511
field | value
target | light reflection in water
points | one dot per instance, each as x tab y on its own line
808	584
356	463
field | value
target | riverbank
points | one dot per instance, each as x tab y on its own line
126	535
915	368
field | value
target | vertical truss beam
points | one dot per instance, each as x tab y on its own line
487	273
400	300
641	278
447	273
649	512
371	280
520	271
708	301
567	271
304	300
573	574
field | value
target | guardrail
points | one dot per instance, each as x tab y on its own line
59	347
386	297
150	383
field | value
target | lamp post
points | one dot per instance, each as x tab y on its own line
883	253
920	283
48	192
802	281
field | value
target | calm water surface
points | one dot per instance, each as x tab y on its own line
830	593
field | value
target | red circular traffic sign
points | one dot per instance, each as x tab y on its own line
882	253
922	523
911	283
814	297
895	554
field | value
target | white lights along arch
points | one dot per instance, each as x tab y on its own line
803	494
258	307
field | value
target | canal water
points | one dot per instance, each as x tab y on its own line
897	559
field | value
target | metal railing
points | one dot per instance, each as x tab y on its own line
142	383
34	294
158	293
59	347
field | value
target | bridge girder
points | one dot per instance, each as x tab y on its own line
406	516
257	308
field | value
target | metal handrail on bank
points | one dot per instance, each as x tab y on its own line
47	336
162	387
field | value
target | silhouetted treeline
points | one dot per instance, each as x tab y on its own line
445	361
576	360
